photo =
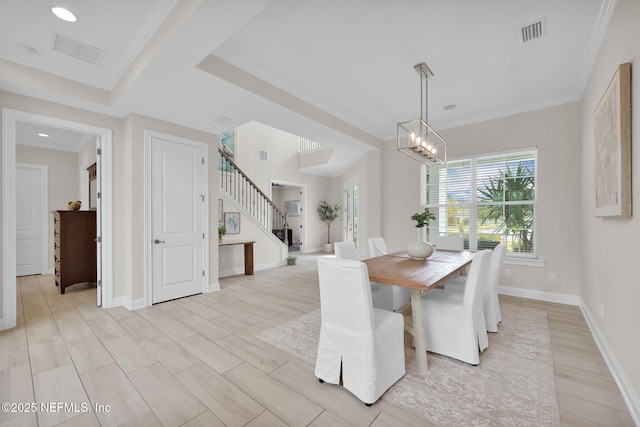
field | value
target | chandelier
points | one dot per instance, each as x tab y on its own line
416	139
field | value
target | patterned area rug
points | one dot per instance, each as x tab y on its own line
514	384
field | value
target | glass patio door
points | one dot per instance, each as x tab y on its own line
352	208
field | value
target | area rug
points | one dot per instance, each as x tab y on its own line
514	384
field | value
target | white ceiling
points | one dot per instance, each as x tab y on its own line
339	72
57	139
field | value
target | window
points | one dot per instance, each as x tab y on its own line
487	200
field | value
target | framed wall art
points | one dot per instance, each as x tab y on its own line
612	143
232	222
292	208
227	142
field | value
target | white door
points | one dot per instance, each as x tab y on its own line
352	208
177	218
31	219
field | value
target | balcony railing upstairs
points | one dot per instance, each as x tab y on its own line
246	193
305	145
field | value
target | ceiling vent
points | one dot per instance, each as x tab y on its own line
71	47
221	119
533	31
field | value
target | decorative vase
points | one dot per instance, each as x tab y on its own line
75	206
328	247
419	249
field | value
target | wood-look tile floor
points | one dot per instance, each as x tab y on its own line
195	361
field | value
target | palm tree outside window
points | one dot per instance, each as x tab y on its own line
487	200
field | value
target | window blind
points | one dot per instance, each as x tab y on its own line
487	200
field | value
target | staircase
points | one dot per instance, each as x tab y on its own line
239	187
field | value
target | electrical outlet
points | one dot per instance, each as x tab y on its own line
552	278
507	273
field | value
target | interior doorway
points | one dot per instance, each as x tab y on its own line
290	198
31	219
176	217
10	122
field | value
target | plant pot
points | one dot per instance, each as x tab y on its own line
419	249
328	247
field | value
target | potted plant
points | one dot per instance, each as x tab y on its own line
419	249
422	218
222	230
328	214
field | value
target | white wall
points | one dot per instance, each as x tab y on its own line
609	249
401	197
281	166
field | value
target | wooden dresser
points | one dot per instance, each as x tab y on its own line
74	236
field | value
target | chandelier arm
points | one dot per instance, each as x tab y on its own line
421	105
426	99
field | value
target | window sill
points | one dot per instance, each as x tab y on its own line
525	261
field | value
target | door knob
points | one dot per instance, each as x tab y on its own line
158	241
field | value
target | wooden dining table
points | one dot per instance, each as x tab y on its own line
399	269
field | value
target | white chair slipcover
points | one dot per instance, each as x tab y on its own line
377	246
346	250
454	322
361	344
491	304
386	297
450	243
382	295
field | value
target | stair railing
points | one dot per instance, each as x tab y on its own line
246	193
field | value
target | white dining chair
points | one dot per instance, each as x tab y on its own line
491	304
346	250
387	297
360	346
382	295
453	322
377	246
450	243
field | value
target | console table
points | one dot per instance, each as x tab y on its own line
248	255
280	235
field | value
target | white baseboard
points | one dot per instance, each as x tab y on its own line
240	270
212	287
6	324
127	303
628	394
540	295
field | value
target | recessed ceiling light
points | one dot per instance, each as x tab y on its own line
44	135
64	14
450	106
